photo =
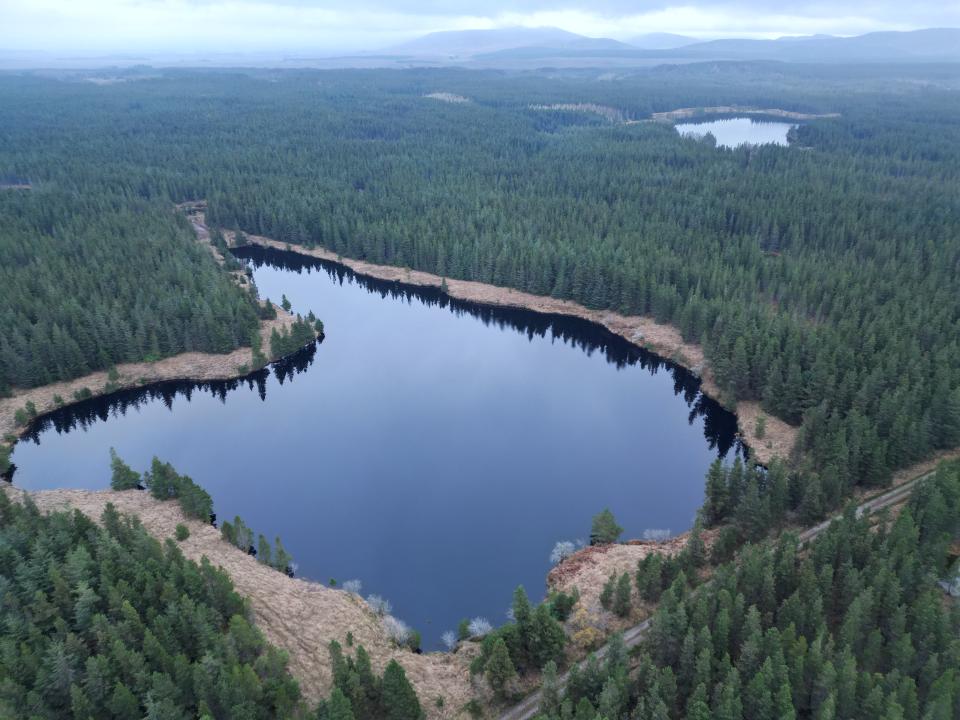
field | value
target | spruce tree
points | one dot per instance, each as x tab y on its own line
621	603
715	505
399	698
337	707
604	529
550	691
122	477
606	594
499	668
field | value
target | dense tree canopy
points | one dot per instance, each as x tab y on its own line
92	278
105	622
822	278
855	628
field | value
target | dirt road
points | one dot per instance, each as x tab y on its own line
528	707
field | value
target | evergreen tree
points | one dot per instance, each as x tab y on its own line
399	698
336	708
550	691
621	603
606	594
122	477
604	529
263	551
499	667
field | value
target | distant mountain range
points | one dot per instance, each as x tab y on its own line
532	48
661	41
468	43
530	44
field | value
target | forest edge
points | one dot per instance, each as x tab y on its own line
777	439
188	366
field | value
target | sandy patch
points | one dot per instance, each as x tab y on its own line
296	615
779	437
685	113
605	111
448	98
186	366
590	568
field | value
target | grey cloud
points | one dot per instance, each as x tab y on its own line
927	12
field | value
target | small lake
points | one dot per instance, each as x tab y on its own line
434	449
734	132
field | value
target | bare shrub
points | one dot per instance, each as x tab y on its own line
479	626
352	586
449	639
657	534
397	630
379	605
561	551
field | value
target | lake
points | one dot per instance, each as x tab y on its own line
734	132
432	448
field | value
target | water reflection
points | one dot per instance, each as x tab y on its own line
81	415
434	448
734	132
720	426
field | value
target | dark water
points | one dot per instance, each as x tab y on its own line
434	449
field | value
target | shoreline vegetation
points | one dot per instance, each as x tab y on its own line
302	616
24	405
276	598
694	112
299	616
767	436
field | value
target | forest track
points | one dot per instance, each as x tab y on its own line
530	705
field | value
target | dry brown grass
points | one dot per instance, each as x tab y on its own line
779	438
589	569
684	113
645	332
298	616
185	366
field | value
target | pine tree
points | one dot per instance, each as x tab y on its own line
650	577
281	558
550	691
606	594
715	506
604	529
122	477
399	698
621	602
263	550
696	550
499	668
548	635
812	505
337	707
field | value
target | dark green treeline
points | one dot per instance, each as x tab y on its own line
822	279
855	628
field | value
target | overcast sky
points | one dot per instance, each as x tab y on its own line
343	25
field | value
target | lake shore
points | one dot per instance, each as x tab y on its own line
188	366
691	112
778	439
296	615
